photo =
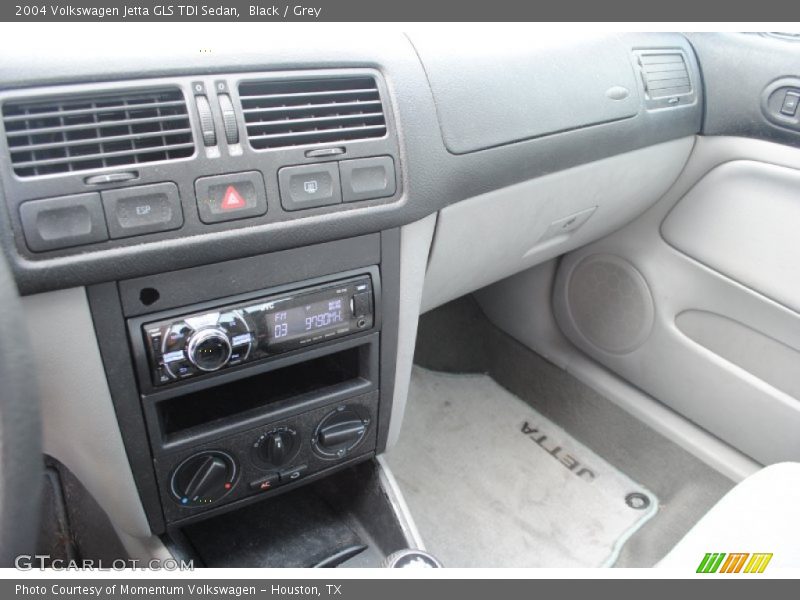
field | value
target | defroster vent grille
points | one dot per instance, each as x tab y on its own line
665	74
281	113
61	134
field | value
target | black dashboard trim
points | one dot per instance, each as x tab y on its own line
431	177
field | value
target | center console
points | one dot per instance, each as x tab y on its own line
249	345
279	374
305	354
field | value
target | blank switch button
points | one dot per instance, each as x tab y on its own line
367	178
63	222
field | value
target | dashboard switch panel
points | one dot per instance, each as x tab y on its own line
196	132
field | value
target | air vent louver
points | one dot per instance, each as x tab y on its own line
665	74
62	134
311	111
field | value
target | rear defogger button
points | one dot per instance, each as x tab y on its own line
309	186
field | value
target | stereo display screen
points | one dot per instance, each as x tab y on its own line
307	320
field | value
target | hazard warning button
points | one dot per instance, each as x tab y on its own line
232	199
229	197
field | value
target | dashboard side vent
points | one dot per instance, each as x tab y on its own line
62	134
281	113
664	74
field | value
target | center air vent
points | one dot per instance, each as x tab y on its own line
664	74
311	111
61	134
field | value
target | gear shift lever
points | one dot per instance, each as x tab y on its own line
411	558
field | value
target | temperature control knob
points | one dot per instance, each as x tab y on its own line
203	478
209	349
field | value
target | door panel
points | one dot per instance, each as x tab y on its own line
742	220
724	287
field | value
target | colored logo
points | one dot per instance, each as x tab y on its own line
738	562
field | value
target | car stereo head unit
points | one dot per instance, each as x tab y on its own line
189	345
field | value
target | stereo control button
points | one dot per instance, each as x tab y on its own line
234	325
239	335
209	349
155	341
238	354
361	304
162	376
173	356
176	337
181	368
242	339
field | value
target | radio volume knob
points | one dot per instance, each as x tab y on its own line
209	349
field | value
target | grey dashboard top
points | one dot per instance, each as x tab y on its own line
495	97
430	174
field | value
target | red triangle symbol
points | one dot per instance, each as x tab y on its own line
232	199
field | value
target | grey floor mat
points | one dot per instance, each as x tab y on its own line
493	483
458	338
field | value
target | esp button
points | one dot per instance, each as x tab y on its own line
143	209
229	197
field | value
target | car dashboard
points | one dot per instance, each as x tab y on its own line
223	255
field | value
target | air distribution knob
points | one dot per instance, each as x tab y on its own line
203	478
340	432
209	349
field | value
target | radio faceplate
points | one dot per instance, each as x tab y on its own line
186	346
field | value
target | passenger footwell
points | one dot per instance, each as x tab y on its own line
492	483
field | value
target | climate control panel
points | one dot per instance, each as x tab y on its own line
254	463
